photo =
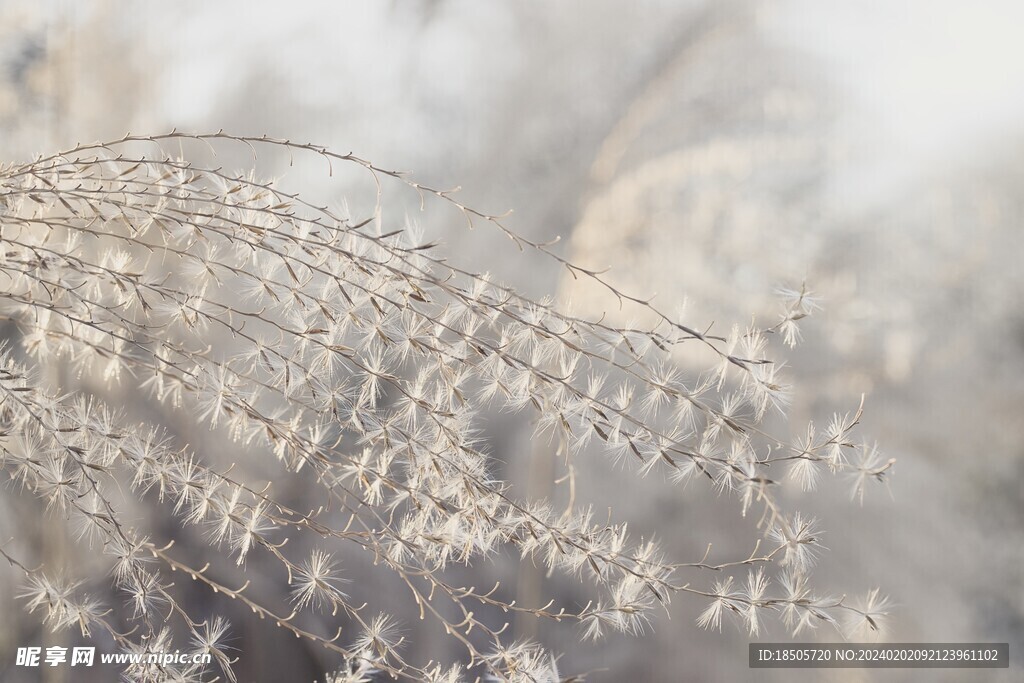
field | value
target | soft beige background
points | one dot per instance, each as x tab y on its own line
704	150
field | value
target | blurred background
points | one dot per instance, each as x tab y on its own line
708	152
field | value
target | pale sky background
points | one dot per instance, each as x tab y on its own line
942	79
937	82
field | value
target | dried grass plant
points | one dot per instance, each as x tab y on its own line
354	354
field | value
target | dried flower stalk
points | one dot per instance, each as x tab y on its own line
353	351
